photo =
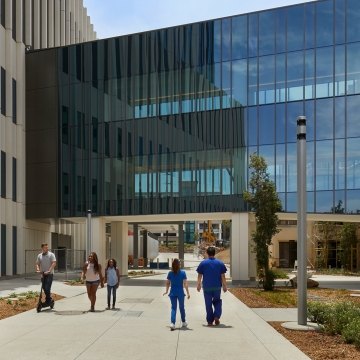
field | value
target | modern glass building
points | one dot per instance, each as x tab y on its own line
163	122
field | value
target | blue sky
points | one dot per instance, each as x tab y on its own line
119	17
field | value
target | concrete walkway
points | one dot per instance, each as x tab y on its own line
138	328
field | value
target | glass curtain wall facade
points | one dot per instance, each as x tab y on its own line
164	121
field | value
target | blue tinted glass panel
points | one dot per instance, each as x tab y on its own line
310	119
266	124
226	84
295	28
291	202
239	37
294	110
309	88
280	78
352	203
340	21
268	153
266	80
353	116
280	123
339	117
295	76
252	78
310	202
310	166
239	82
353	68
324	23
280	30
291	170
280	169
253	35
217	40
353	23
252	126
324	72
309	25
266	33
339	202
353	164
324	119
324	201
339	70
340	165
324	165
226	39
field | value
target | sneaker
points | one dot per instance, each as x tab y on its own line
184	324
172	326
217	321
113	307
210	324
107	308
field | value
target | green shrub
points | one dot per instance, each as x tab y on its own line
341	314
351	332
317	311
280	274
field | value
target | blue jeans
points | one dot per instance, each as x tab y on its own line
174	300
47	282
113	289
213	304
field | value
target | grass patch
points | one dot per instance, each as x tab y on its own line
277	297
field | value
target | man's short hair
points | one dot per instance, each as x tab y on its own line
44	244
210	251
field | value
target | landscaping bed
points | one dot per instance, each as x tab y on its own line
25	301
316	345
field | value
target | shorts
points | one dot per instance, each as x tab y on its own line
96	282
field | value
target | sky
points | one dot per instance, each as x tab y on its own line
120	17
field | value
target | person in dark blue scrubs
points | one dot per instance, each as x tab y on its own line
178	281
211	272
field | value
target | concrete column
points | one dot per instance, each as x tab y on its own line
72	21
62	22
240	249
36	24
19	22
28	23
84	25
120	245
67	22
136	244
57	23
145	247
181	244
99	239
80	20
44	24
51	8
8	14
76	21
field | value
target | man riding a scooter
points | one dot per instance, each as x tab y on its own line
45	263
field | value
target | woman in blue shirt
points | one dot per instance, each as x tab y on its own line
178	281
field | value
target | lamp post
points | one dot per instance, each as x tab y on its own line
301	221
88	235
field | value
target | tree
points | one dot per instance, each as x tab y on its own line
348	241
264	201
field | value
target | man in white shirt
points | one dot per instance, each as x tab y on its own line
45	263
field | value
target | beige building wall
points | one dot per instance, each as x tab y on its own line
30	24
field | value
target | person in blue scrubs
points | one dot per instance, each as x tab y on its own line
178	281
211	273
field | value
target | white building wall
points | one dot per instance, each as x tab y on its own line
43	28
